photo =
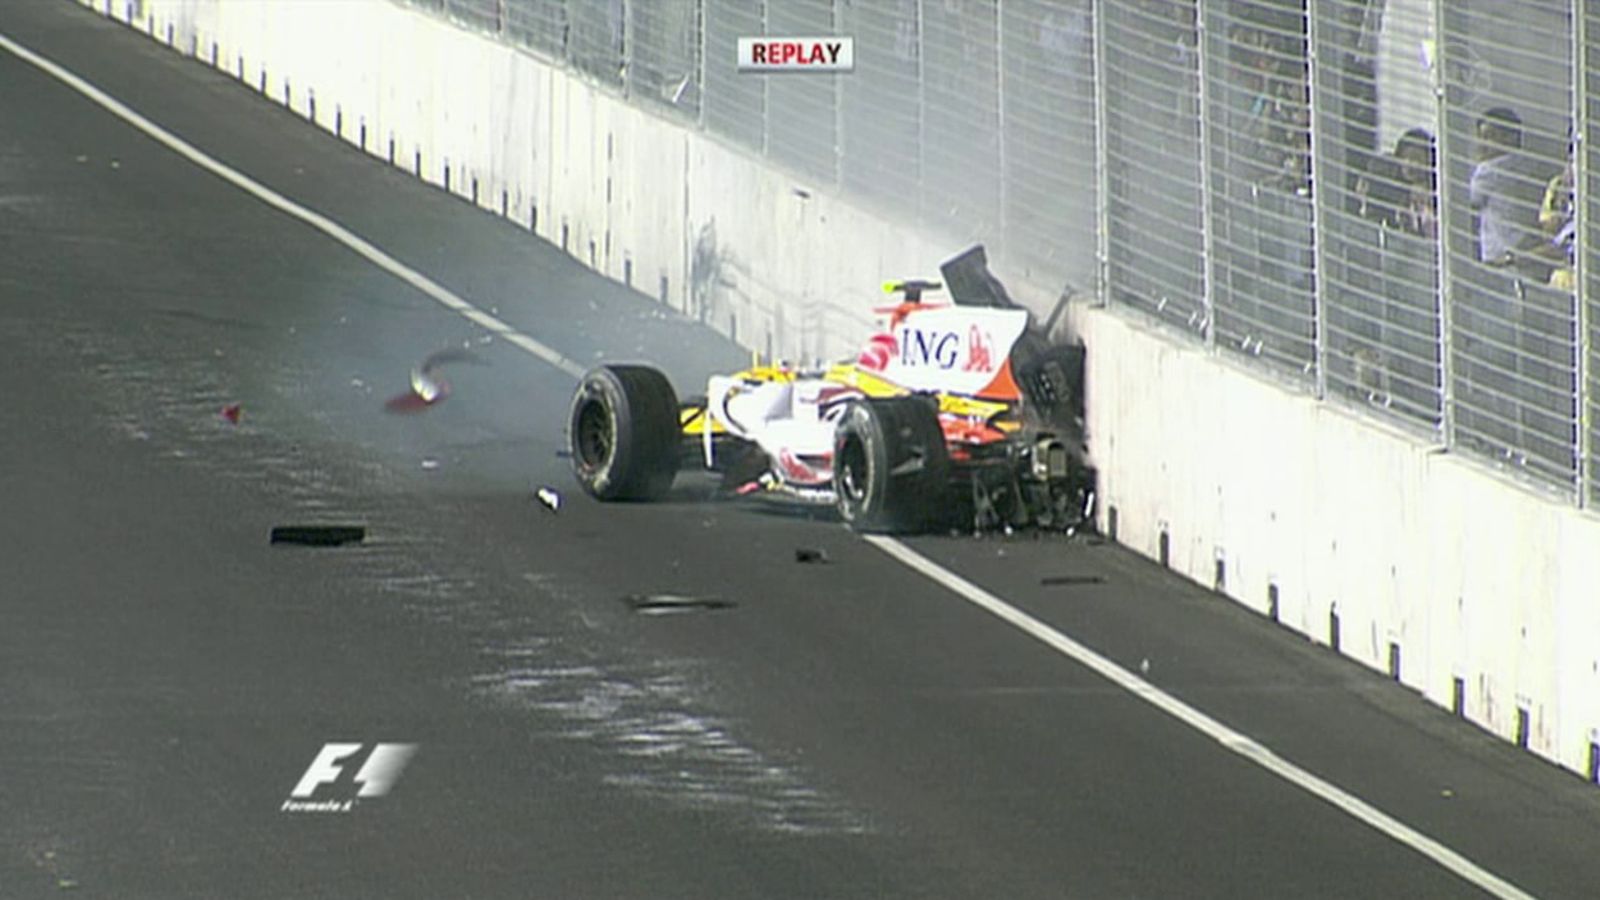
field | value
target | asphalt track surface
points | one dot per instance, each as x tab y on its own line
845	729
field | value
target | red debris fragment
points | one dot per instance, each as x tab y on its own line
407	403
232	412
427	386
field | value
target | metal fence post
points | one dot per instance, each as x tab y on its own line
834	27
766	82
702	45
1319	288
1580	221
1208	256
922	114
1444	280
1000	107
566	32
1102	171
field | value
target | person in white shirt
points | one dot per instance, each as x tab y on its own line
1505	189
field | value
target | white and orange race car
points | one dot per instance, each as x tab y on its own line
955	415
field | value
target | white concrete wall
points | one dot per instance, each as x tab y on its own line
1472	577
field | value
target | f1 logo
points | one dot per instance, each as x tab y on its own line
376	776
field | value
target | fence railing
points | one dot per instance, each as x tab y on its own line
1388	202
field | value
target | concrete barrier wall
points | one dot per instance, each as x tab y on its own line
1468	582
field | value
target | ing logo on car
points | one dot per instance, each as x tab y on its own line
923	348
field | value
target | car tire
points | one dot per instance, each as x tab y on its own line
891	469
623	433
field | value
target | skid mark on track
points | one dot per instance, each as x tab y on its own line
665	750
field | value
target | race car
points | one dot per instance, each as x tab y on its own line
954	415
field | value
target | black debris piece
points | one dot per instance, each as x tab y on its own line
1066	580
318	535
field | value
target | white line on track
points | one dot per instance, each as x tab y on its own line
1199	721
316	220
1133	684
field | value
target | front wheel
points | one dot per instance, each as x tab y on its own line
623	433
891	469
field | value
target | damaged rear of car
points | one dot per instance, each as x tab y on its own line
962	414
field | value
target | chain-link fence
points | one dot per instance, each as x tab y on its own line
1512	341
1155	218
537	24
880	108
735	105
1047	136
1384	199
1258	139
972	117
960	160
1378	199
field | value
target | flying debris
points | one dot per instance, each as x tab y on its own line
428	386
549	498
232	412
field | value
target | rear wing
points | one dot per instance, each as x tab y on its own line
970	283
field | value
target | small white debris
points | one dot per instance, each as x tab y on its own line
549	498
1144	666
115	164
82	158
357	383
425	386
430	463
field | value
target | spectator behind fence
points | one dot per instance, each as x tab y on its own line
1558	225
1401	189
1505	189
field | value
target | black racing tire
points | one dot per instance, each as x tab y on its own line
891	468
623	433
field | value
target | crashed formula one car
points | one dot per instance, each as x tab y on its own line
962	415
